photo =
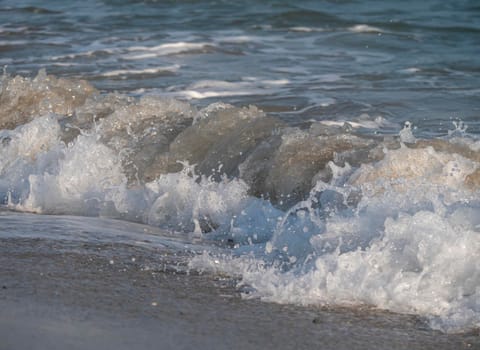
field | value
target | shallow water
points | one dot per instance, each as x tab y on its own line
120	292
316	153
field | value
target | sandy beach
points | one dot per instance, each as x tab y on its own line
58	295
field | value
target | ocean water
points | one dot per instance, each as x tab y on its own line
315	152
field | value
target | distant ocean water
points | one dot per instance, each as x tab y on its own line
320	152
302	60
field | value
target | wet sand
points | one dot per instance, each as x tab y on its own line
73	295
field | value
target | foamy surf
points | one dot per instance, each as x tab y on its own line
322	214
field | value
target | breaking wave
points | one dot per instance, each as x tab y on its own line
325	213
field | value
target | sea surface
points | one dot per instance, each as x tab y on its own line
312	153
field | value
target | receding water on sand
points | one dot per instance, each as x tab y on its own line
77	293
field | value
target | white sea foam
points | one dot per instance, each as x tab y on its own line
404	249
145	52
410	70
364	28
147	71
306	29
406	134
363	121
400	230
236	39
41	174
410	246
217	88
423	263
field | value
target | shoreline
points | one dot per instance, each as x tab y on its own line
59	294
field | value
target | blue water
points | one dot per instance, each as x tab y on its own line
301	60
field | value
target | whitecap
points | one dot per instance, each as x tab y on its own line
145	52
147	71
364	28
